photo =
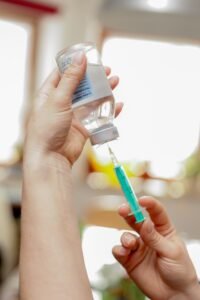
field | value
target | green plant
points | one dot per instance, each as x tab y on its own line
192	165
124	290
115	285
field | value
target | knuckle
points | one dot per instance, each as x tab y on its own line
154	239
61	100
180	250
114	249
59	96
72	74
123	238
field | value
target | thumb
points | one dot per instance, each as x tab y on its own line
70	79
121	254
155	240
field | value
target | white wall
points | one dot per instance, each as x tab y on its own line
83	20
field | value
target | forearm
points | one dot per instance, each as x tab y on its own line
51	261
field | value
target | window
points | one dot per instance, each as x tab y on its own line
159	84
13	59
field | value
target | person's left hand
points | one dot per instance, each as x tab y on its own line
53	127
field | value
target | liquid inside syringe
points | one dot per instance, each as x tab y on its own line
127	188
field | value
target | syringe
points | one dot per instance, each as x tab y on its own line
127	188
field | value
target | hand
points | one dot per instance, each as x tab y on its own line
157	261
53	127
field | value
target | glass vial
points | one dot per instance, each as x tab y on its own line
93	102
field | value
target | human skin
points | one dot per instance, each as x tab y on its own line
157	260
51	259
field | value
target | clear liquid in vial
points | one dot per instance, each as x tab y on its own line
99	112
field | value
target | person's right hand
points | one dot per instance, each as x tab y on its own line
157	261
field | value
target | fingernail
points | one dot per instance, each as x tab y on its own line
122	251
115	78
78	58
123	205
128	239
150	226
131	214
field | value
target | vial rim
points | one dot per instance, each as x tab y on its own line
85	46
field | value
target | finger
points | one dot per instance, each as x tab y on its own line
50	83
79	135
71	79
129	241
125	212
158	215
114	81
148	232
121	254
118	108
107	70
154	240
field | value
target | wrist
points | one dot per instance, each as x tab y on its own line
192	292
38	159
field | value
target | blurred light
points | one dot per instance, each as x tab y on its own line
182	173
4	173
108	202
154	187
96	295
193	247
96	252
6	151
138	168
13	55
97	180
176	189
102	153
198	184
164	169
158	4
159	84
137	184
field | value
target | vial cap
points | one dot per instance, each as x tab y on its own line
104	134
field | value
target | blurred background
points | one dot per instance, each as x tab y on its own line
154	46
